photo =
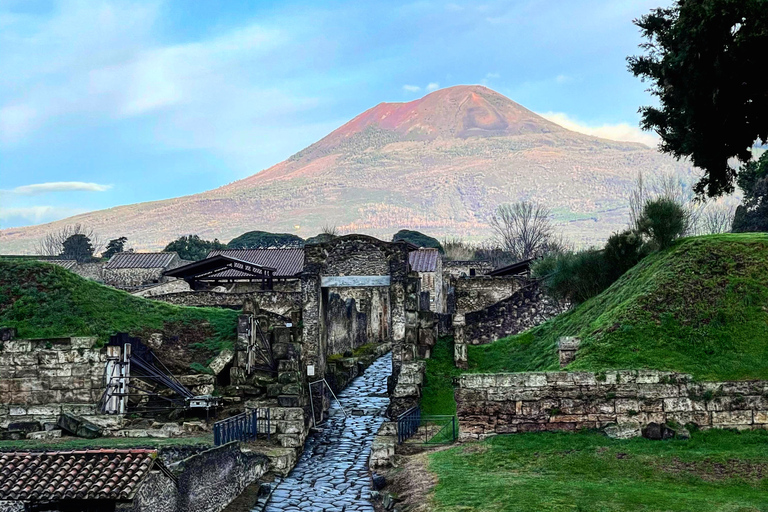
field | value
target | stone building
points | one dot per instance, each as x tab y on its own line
135	270
428	264
466	268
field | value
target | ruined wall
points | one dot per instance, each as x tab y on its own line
489	404
474	293
278	302
465	268
93	271
207	482
356	316
170	287
526	308
43	377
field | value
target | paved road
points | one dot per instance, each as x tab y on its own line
332	473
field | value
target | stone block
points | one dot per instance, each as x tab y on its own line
760	416
289	426
625	405
535	379
624	431
289	440
44	435
78	426
44	410
678	404
720	418
288	401
199	379
25	426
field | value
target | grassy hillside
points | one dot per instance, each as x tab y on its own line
44	300
700	307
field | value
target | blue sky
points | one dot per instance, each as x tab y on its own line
105	103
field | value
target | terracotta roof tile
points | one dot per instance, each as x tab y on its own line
85	474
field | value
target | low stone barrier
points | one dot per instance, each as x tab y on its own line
280	302
489	404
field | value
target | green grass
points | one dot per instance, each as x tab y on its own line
42	300
74	443
437	394
700	307
713	471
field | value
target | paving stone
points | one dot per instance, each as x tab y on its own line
332	473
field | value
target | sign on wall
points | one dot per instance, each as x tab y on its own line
353	281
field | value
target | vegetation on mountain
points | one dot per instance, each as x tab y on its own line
114	246
442	164
192	247
52	242
43	300
698	307
264	240
718	45
714	470
417	238
752	214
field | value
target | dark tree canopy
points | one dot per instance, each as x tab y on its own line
752	214
192	247
114	246
417	238
264	239
705	60
77	247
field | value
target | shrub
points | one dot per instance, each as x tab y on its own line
663	221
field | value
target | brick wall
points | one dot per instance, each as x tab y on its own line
489	404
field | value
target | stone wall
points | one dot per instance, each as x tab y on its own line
131	278
207	481
43	377
93	271
489	404
465	268
170	287
474	293
356	316
278	302
526	308
340	371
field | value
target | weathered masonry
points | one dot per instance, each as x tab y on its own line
489	404
134	270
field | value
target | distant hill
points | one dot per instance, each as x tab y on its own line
440	165
700	307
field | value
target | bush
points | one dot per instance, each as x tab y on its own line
623	251
663	221
575	276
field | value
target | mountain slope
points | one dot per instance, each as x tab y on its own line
700	307
440	164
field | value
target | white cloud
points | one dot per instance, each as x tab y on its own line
620	131
492	75
411	88
59	186
433	86
563	79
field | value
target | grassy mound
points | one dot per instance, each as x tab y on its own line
700	307
43	300
716	470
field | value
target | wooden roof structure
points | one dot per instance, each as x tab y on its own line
222	268
521	267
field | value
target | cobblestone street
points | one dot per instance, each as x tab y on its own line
332	473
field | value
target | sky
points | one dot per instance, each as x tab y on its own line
104	103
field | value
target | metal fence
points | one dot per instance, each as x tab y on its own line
427	429
243	427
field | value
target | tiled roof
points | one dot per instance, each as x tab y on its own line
424	260
286	262
140	260
67	264
88	474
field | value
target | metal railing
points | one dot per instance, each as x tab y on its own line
436	429
243	427
408	423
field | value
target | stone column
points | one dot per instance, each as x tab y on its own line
459	341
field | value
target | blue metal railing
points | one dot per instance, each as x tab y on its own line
243	427
408	423
437	429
